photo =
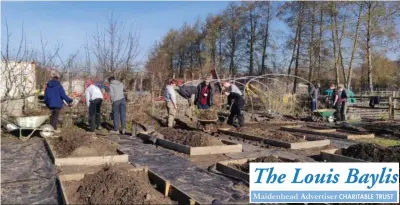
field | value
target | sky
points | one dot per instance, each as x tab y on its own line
70	23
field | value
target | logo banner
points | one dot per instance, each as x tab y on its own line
324	182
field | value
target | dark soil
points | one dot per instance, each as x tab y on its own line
189	137
79	144
272	134
209	114
385	130
246	166
371	152
117	186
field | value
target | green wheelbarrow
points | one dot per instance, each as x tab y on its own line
324	115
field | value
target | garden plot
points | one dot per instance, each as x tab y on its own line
191	142
363	152
78	148
277	138
240	168
339	133
120	185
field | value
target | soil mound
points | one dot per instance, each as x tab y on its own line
371	152
79	144
189	137
209	114
246	166
118	186
272	134
35	112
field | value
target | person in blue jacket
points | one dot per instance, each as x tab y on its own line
53	98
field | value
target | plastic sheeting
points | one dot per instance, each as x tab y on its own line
27	173
200	184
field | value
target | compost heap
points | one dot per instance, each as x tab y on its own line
189	137
371	152
272	134
246	166
79	144
118	186
208	114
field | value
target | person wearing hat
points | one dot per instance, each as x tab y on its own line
53	98
94	98
204	96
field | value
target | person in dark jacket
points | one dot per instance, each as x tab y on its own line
314	94
236	106
53	98
204	96
340	103
189	93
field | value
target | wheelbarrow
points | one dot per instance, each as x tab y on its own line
30	124
206	125
324	115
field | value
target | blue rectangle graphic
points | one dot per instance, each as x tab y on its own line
323	196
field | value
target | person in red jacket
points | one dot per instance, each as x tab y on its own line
204	96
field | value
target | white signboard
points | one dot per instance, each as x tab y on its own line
324	182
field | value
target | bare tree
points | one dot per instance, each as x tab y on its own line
114	49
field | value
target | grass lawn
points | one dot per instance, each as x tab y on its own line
381	141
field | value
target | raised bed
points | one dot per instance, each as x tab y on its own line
224	167
362	152
334	134
330	156
119	157
312	142
163	186
228	147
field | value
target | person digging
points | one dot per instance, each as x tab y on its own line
189	93
236	107
94	98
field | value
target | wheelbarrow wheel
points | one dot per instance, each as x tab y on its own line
46	131
207	128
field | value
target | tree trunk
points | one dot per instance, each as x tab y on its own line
252	39
296	68
293	53
320	38
265	42
353	52
311	46
333	27
369	54
339	44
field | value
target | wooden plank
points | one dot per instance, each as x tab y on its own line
94	160
312	142
229	147
329	156
329	134
164	186
224	168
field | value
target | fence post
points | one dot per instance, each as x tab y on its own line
391	110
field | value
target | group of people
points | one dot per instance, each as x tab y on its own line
55	98
202	96
334	98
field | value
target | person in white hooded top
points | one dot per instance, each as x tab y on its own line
94	99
